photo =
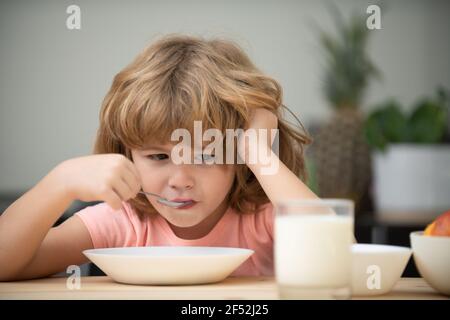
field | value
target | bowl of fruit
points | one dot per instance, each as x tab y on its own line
431	252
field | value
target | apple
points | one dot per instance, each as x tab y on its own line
440	226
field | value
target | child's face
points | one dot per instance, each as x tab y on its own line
207	184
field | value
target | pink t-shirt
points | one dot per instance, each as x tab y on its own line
122	228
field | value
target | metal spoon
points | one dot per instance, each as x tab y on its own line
173	204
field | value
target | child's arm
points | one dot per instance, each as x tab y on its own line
24	231
283	184
29	246
275	178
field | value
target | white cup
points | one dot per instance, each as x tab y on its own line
313	240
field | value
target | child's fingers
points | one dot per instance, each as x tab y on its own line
122	189
134	171
113	200
133	183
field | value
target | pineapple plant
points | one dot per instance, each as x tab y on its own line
339	150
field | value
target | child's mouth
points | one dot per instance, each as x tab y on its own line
186	203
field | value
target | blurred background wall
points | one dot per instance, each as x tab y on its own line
52	80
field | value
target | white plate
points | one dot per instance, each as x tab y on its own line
164	265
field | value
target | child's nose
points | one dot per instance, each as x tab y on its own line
181	177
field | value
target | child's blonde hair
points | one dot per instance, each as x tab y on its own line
179	79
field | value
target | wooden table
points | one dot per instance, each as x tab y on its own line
236	288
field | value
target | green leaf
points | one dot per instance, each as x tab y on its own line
385	125
428	122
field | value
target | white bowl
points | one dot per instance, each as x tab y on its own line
161	265
432	258
377	268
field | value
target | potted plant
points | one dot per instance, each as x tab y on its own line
411	158
340	153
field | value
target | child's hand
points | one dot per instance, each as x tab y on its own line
264	119
260	119
112	178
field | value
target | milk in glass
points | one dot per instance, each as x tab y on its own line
313	253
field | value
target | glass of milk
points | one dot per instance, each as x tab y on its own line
313	241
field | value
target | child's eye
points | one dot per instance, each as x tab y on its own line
208	156
158	157
205	157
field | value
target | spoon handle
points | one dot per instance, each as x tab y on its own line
150	194
163	200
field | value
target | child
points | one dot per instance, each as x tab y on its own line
175	81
